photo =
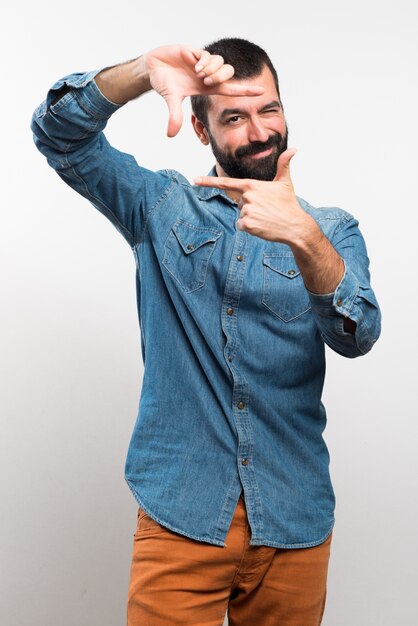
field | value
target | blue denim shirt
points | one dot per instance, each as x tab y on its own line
233	344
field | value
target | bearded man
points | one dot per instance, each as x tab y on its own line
240	284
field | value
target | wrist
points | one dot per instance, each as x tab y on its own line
124	82
141	73
305	234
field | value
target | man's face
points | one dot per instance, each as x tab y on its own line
248	134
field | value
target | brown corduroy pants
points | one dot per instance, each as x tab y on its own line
178	581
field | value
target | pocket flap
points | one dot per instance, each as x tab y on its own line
284	264
193	237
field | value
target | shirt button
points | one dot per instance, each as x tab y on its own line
244	461
339	302
230	358
241	404
190	246
291	272
240	257
230	311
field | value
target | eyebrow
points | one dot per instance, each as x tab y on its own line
226	112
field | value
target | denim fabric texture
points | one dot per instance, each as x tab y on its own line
233	344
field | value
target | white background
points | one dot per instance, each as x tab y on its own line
70	346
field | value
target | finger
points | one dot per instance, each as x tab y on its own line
283	165
214	63
175	119
197	53
238	224
204	58
223	182
220	75
236	89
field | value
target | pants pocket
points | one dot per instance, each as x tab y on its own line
146	525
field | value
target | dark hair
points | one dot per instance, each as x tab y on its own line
246	58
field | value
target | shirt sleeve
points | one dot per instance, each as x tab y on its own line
68	131
353	297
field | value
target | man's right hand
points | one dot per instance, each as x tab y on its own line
178	71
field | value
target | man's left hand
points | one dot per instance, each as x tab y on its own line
268	209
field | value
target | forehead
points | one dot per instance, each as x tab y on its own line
218	103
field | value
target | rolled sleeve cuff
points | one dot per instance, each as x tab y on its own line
88	94
339	301
331	308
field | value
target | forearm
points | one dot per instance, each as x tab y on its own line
124	82
320	264
335	273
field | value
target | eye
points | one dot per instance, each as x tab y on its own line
233	119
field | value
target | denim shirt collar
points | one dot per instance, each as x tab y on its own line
207	193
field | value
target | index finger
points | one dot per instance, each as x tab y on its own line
223	182
235	89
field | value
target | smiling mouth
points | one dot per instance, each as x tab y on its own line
260	155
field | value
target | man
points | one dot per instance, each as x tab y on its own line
240	283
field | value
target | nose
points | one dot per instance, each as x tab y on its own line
256	131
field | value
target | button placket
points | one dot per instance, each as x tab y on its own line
240	389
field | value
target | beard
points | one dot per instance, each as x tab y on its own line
242	165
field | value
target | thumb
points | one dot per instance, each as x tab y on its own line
283	162
175	119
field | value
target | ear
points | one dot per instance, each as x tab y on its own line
200	130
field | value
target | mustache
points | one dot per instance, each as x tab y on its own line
258	146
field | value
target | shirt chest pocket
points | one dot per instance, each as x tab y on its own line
187	252
284	292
